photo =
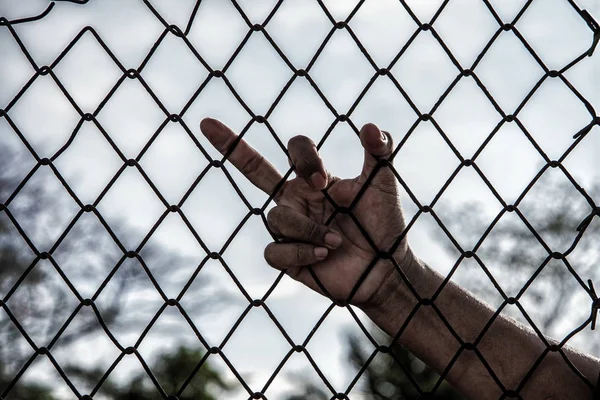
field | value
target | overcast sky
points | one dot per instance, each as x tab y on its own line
258	74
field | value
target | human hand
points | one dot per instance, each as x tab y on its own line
338	253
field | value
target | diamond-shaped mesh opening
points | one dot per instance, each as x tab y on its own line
508	71
257	369
88	163
467	189
131	251
90	72
218	309
87	254
289	28
306	109
547	37
467	117
217	32
77	354
510	143
173	162
212	219
175	72
41	292
384	100
44	373
477	28
341	90
424	61
173	254
131	117
43	201
16	66
383	40
130	195
244	258
128	302
437	163
54	113
563	116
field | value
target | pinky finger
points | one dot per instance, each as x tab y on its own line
293	255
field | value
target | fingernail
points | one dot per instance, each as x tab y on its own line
333	239
318	181
321	252
383	136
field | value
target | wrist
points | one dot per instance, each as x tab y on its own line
395	299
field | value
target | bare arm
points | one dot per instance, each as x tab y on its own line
510	349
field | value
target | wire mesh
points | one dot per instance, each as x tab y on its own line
378	72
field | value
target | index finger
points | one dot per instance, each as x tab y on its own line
246	159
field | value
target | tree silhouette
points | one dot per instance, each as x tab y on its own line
171	370
397	375
38	299
554	299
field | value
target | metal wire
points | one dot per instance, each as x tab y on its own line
379	72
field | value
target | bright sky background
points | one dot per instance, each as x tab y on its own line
258	75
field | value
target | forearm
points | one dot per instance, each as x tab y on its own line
509	349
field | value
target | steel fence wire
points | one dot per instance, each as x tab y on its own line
379	72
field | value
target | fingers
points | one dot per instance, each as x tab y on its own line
290	224
247	160
314	240
376	143
303	154
292	255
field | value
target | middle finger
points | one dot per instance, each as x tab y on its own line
303	154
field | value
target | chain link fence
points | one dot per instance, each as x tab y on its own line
40	350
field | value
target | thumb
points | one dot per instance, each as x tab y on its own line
378	144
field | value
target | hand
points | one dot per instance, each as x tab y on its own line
338	253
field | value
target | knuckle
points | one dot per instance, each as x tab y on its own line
303	255
273	216
312	232
279	194
293	272
252	163
223	143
